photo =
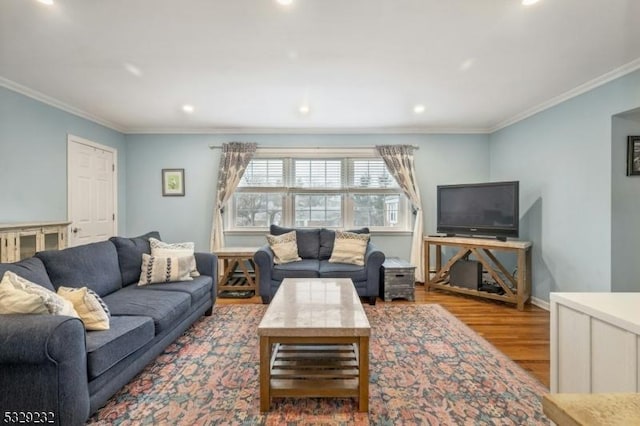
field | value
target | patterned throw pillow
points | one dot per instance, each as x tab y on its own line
349	247
156	270
21	296
162	249
92	310
284	247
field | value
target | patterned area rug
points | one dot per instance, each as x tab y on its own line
426	367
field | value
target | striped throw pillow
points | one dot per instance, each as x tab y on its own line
157	270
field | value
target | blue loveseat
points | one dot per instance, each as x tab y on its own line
315	247
50	364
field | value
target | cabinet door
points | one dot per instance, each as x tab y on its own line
50	239
614	358
573	352
27	244
3	248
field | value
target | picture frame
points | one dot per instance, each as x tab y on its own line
633	156
173	182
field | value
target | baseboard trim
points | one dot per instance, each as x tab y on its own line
540	303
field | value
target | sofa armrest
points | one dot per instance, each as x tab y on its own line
207	264
373	259
43	367
263	259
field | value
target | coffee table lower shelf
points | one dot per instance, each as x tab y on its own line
314	367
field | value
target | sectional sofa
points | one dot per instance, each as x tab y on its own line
49	364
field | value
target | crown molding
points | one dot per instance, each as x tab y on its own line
310	130
577	91
38	96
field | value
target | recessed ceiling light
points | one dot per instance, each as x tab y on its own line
285	2
304	109
47	2
133	69
188	108
418	109
466	64
529	2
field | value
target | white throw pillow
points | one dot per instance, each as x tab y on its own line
285	247
162	249
92	310
156	270
349	247
21	296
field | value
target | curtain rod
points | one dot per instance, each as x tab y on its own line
311	147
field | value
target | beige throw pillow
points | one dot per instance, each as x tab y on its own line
21	296
93	312
349	247
156	270
284	247
162	249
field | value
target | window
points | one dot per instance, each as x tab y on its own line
318	192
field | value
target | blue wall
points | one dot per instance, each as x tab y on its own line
440	159
574	198
625	208
33	158
562	158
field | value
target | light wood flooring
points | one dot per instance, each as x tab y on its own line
522	336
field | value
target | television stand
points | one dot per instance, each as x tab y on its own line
516	290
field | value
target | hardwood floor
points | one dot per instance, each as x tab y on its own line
522	336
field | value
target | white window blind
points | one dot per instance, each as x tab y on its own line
311	192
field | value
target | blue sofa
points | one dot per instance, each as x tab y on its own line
50	364
315	247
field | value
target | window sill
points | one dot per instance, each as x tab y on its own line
266	231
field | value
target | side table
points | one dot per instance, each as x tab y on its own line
397	280
236	274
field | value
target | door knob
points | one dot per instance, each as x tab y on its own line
75	230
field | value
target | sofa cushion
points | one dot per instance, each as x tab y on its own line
31	269
93	265
91	309
187	249
156	269
342	270
308	240
126	335
349	247
165	307
327	239
20	296
305	268
284	247
199	288
130	252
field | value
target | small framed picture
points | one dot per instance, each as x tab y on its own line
633	156
173	182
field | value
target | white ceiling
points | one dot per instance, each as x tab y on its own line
361	65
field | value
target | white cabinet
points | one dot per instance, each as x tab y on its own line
595	342
21	240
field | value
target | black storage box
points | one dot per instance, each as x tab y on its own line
466	273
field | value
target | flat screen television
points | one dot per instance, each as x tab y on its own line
479	209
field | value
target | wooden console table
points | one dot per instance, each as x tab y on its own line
516	290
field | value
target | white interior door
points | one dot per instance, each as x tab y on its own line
91	191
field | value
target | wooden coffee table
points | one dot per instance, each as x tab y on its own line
314	342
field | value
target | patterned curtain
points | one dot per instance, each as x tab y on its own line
399	161
233	161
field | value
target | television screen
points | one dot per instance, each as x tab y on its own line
479	209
